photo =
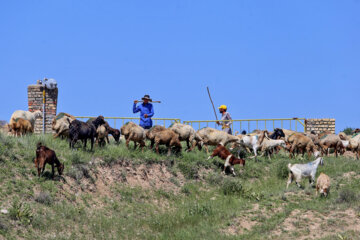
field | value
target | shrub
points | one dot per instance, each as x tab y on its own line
282	170
20	212
44	198
215	178
231	186
200	209
347	196
189	170
348	131
3	225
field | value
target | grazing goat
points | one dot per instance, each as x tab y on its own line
113	131
323	184
230	160
133	132
21	126
331	141
302	143
45	155
169	138
79	130
299	171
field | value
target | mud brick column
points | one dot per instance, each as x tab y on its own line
320	125
35	102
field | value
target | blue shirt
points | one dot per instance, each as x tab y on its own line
144	109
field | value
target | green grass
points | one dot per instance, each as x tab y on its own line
204	203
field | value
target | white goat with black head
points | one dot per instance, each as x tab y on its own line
299	171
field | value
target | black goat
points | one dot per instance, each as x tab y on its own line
277	134
79	130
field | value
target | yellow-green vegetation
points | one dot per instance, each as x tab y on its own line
116	193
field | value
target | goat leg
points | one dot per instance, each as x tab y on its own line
53	170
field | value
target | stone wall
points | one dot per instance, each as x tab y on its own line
35	102
320	125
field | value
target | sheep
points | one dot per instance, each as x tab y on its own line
331	141
186	133
101	134
21	126
60	124
268	145
133	132
230	160
45	155
81	130
30	116
299	171
301	143
354	145
150	134
168	138
323	185
211	136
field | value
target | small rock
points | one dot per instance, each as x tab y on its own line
4	211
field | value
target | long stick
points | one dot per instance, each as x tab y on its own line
212	103
151	101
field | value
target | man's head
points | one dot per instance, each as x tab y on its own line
222	108
146	99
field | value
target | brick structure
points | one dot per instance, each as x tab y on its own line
35	102
320	125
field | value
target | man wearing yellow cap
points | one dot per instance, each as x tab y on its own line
226	119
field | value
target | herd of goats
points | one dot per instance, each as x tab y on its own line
97	129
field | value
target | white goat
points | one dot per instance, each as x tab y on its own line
253	142
299	171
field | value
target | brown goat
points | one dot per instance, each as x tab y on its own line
302	143
230	160
21	126
45	155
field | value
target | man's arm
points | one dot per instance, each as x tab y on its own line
135	108
151	112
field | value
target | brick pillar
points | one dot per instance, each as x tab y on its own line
320	125
35	102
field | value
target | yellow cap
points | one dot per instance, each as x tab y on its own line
223	107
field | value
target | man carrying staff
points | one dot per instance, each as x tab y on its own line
146	111
226	125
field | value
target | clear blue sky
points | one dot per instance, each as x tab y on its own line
264	59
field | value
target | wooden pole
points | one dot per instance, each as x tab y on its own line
212	103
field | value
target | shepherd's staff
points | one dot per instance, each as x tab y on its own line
212	103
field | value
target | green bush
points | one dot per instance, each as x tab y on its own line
44	198
232	186
282	170
200	209
348	131
189	170
347	196
20	212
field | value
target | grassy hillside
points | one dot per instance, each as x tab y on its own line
116	193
